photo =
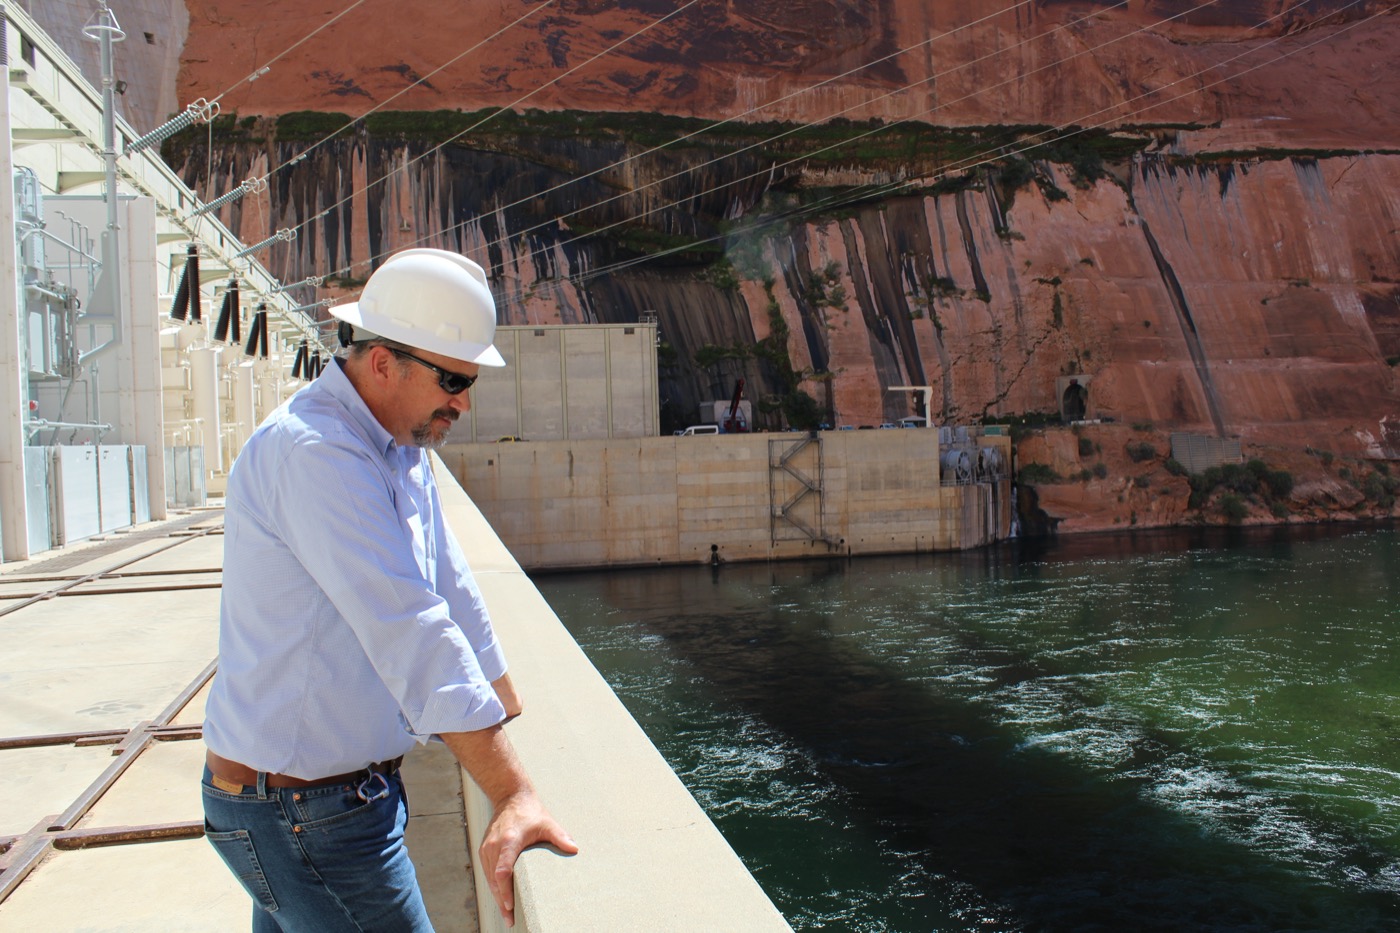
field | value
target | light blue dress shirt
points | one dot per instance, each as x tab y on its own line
351	626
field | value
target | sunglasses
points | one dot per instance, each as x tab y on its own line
451	383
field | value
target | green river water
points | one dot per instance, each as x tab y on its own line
1163	731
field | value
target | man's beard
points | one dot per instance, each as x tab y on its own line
425	436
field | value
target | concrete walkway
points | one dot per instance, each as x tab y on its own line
107	647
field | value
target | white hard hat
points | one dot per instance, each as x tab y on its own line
430	299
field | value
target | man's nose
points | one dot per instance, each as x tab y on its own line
462	401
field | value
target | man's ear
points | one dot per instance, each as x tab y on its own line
383	366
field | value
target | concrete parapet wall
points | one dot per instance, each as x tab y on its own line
650	859
669	500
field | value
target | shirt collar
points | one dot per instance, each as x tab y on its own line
338	386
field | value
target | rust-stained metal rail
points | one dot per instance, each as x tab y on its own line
118	590
23	853
127	751
122	835
171	733
86	578
109	575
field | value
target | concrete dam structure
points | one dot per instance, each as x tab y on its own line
738	497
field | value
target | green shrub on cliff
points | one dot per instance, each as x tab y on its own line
801	410
1141	452
1280	483
311	125
1233	508
721	275
1249	482
1381	488
1038	474
711	355
824	288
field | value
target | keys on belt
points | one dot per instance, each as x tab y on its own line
371	783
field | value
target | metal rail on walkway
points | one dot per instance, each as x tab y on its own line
19	855
88	578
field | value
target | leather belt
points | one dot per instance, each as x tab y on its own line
230	774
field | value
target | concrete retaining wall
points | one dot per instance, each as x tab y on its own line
650	859
670	500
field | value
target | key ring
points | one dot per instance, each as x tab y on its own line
365	795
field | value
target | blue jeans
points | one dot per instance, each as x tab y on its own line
319	859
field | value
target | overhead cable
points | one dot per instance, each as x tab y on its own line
761	107
380	106
992	156
770	169
797	93
798	128
517	102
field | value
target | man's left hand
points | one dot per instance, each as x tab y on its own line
520	821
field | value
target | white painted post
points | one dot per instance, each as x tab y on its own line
14	380
204	383
244	415
142	408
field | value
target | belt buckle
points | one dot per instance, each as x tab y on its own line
366	795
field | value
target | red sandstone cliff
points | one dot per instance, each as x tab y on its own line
956	63
1250	294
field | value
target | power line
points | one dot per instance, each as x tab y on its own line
761	107
880	129
990	156
712	126
685	137
257	183
517	102
438	70
866	193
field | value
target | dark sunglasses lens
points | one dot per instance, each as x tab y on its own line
455	383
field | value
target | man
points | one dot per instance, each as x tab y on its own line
351	627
